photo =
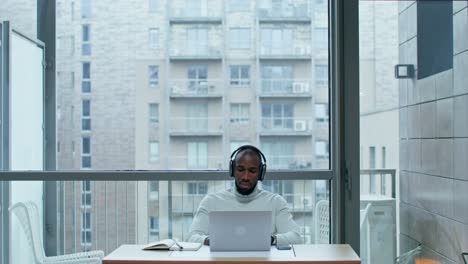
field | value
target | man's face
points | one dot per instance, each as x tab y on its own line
247	171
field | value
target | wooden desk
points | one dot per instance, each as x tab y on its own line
304	254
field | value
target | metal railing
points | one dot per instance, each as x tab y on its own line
378	182
196	124
196	87
286	124
282	87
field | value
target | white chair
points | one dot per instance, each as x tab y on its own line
322	222
28	216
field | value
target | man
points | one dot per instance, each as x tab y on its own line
248	166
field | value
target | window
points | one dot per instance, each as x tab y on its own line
239	5
384	157
85	8
321	112
86	153
154	113
321	150
86	228
86	38
277	78
236	144
277	116
197	117
321	38
321	75
435	37
239	38
154	226
153	76
240	75
372	180
72	10
197	155
197	41
197	188
153	6
197	79
153	190
86	194
153	151
86	77
281	154
86	115
240	113
153	37
276	41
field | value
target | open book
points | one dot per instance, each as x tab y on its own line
171	244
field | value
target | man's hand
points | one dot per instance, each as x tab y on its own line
273	240
206	241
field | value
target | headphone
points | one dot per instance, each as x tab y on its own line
232	163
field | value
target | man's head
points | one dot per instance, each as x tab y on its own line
247	166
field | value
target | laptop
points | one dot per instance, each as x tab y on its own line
240	230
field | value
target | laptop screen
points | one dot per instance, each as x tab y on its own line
240	230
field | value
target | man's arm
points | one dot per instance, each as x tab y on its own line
199	226
288	231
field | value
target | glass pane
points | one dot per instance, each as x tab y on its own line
380	50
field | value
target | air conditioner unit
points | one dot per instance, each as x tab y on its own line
298	87
300	125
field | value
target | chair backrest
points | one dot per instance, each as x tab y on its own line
28	216
322	222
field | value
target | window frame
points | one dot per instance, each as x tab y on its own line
344	136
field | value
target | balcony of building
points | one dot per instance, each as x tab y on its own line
285	126
197	162
186	204
195	51
294	12
290	162
196	12
193	88
271	88
196	126
278	51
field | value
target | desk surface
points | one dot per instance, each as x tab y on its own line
313	254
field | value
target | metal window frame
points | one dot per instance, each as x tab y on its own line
344	135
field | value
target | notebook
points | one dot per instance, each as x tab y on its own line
240	230
171	244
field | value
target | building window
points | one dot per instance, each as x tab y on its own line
321	75
153	6
86	153
277	116
240	113
72	10
86	228
281	154
277	41
86	38
239	38
154	190
372	180
321	150
197	41
277	79
153	37
153	76
154	113
86	77
85	8
239	5
240	75
197	155
435	37
197	117
154	226
86	194
321	112
197	188
384	157
86	115
153	151
236	144
321	38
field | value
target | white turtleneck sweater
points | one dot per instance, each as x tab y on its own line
283	226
